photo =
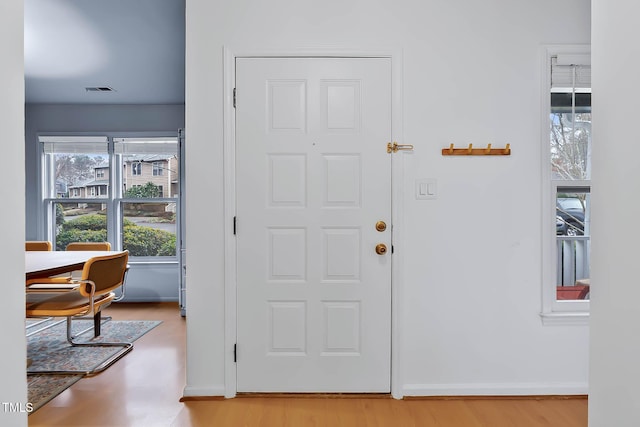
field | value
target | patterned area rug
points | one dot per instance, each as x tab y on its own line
48	349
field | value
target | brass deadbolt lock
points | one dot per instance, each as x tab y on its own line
381	226
381	249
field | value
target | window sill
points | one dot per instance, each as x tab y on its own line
565	318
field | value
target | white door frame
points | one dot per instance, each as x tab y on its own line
397	199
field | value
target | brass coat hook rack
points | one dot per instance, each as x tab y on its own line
470	151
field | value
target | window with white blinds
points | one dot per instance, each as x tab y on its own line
122	190
567	185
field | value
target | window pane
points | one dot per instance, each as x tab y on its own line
150	167
149	228
570	117
79	222
150	170
78	174
571	145
573	244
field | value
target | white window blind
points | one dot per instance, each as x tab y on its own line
571	72
168	146
74	144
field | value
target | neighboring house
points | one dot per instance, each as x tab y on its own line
89	189
161	170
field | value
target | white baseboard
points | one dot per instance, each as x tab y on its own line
214	390
505	389
526	389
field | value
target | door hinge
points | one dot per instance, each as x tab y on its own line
391	248
234	97
234	225
235	353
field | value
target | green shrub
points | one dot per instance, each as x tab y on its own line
139	240
59	215
168	248
144	191
147	241
87	222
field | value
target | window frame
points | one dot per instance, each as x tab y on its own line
554	311
113	200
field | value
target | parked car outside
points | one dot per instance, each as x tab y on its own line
569	216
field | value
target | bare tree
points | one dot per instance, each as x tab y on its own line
570	145
75	168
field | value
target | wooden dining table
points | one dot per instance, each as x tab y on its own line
50	263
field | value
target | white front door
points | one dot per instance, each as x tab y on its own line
313	178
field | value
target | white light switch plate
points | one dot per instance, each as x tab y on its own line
426	189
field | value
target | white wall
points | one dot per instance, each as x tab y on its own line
471	295
13	387
614	396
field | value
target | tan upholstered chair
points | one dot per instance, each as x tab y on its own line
42	245
101	275
97	246
37	245
89	246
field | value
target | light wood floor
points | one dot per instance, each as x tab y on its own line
144	390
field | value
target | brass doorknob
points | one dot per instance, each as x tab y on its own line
381	226
381	249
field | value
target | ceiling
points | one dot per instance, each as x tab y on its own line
135	47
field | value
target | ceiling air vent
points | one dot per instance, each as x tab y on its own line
99	89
